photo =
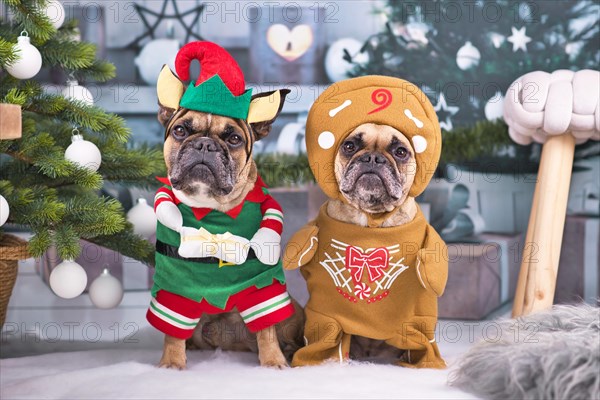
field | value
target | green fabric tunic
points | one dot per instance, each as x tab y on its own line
199	281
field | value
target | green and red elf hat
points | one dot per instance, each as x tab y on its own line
220	88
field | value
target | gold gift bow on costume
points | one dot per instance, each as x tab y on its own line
217	239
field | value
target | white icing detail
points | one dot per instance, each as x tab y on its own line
312	243
336	268
343	246
340	352
414	119
432	340
420	143
326	140
393	275
336	110
419	273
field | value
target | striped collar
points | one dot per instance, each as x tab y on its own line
256	195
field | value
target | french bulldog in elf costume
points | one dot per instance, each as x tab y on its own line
373	265
218	234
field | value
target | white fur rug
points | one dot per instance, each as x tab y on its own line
548	355
127	371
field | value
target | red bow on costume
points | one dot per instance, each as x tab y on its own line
375	261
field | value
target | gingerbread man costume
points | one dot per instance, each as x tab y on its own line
380	283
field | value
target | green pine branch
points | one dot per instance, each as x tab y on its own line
99	70
68	55
7	52
29	17
137	166
81	115
129	244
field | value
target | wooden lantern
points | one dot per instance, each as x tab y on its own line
10	121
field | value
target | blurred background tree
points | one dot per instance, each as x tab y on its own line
466	54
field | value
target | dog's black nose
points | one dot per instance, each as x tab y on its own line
373	158
205	145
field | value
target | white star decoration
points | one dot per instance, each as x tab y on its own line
444	110
519	39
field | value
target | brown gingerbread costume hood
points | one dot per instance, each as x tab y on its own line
371	99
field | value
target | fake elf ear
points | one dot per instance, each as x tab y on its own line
170	90
264	109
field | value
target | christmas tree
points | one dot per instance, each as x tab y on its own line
54	194
466	54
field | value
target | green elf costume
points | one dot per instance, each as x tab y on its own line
209	261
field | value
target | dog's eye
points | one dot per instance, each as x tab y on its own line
349	147
179	132
234	139
401	153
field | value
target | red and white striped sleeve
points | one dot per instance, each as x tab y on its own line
272	215
164	194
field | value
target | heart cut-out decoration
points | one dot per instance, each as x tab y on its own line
290	45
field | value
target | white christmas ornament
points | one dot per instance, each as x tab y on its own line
68	279
106	291
154	55
417	32
83	153
335	66
75	91
573	49
497	39
468	56
494	108
142	218
55	12
519	39
29	62
4	210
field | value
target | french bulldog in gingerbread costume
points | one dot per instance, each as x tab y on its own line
373	265
219	229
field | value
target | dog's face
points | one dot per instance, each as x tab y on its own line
375	168
208	156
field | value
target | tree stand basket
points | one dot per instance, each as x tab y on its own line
12	249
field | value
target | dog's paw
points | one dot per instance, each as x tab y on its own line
272	358
276	362
172	363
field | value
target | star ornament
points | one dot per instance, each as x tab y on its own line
445	113
145	14
519	39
